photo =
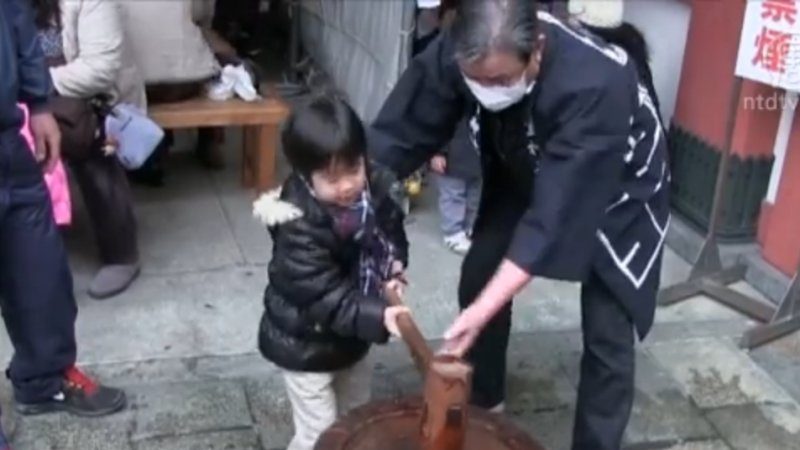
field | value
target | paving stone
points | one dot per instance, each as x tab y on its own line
178	316
759	427
781	359
66	432
537	379
183	227
552	429
715	373
698	309
152	371
228	440
671	331
271	410
251	366
661	411
185	408
700	445
8	416
251	236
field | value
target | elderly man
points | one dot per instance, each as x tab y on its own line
575	188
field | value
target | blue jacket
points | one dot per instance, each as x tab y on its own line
24	76
584	151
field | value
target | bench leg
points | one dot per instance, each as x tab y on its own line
267	138
260	154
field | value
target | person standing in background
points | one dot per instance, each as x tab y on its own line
36	296
458	170
177	54
86	49
605	18
457	166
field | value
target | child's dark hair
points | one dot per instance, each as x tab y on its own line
324	132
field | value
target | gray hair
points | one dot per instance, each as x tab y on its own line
483	26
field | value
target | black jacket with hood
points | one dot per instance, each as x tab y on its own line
316	317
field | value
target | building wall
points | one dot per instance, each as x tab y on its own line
707	76
779	228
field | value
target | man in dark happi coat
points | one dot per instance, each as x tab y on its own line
575	188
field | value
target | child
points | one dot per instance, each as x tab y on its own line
459	182
338	239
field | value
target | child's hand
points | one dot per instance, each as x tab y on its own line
398	271
439	164
390	316
397	285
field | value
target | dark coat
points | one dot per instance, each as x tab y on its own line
583	154
316	317
25	77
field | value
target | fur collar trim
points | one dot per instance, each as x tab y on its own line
270	210
598	13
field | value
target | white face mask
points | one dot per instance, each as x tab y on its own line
497	98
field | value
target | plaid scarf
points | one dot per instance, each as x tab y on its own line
358	222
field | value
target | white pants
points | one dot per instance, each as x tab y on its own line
318	399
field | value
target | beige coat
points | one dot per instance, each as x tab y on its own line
168	45
97	54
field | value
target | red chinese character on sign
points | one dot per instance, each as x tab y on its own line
778	10
771	50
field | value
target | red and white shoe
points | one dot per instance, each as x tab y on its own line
81	396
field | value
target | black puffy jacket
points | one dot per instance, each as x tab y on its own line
316	318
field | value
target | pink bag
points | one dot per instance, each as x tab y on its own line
56	181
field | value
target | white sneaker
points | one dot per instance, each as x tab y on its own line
458	243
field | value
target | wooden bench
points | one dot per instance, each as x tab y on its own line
259	120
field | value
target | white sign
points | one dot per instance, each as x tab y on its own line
769	50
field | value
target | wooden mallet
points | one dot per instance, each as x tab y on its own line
448	381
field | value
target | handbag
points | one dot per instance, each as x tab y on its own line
79	120
135	134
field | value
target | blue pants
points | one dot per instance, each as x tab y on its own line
458	203
36	295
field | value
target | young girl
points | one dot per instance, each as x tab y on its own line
338	240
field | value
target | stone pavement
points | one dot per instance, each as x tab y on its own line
182	341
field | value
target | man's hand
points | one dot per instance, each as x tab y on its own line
48	139
506	283
439	164
461	335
